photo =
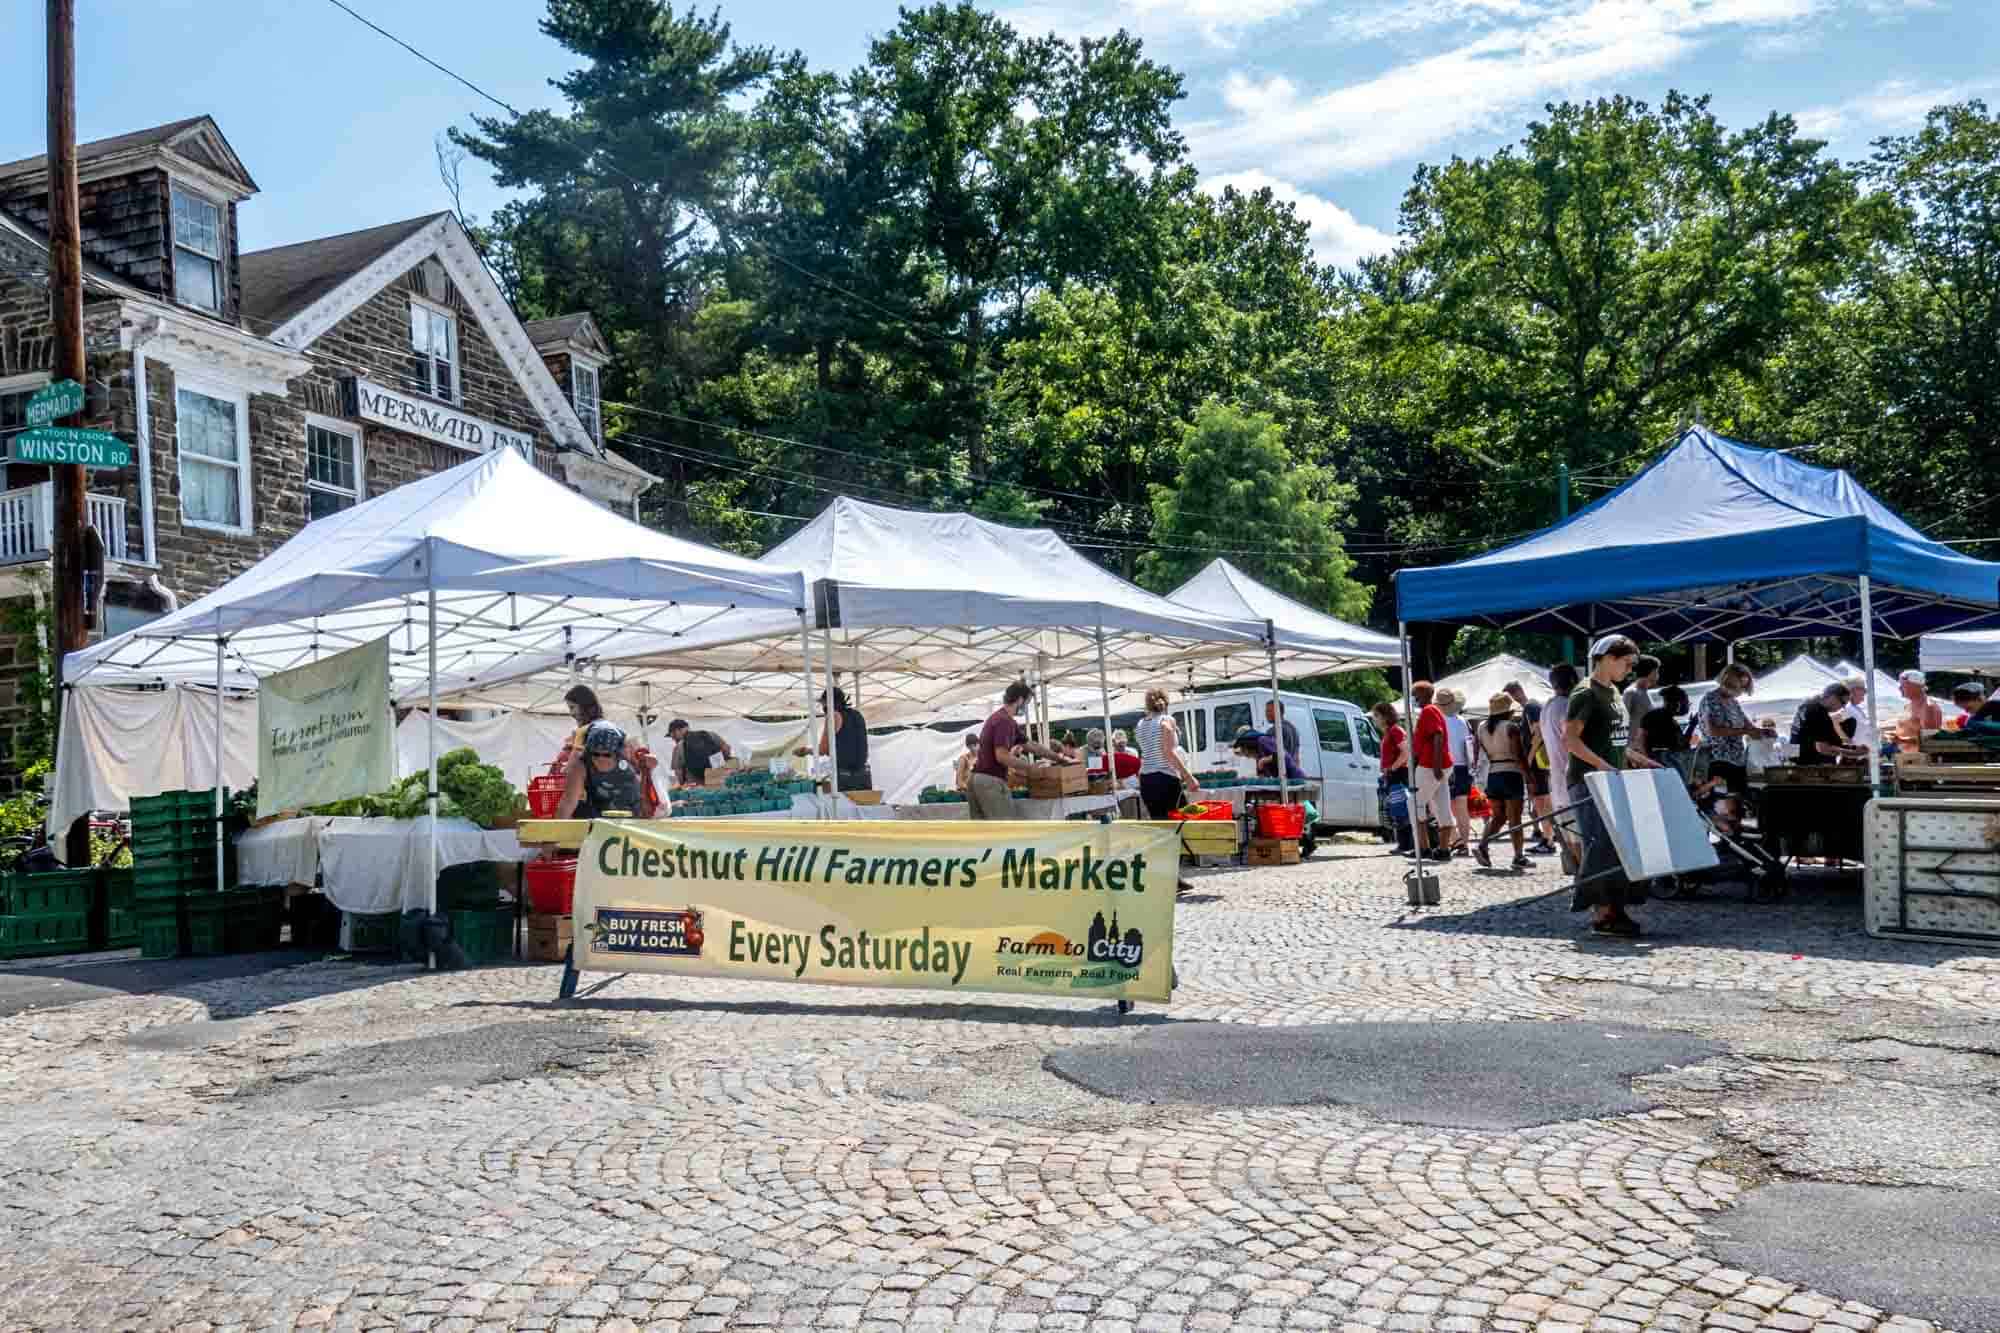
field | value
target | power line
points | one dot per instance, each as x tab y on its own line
447	72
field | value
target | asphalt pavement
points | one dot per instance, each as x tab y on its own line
1461	1075
1926	1253
30	984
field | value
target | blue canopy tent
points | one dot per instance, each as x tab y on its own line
1718	541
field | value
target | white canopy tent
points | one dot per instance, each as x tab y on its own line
1479	682
1973	651
1309	642
470	573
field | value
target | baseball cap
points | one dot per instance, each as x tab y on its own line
603	738
1911	677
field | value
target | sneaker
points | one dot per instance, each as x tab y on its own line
1624	927
1441	854
1484	857
1523	863
1541	847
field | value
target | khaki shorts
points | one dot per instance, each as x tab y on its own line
988	798
1434	795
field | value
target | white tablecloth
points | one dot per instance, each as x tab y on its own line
1061	807
367	865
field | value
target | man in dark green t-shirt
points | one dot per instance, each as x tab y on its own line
1596	714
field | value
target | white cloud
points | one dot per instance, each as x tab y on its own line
1896	104
1162	22
1574	47
1338	237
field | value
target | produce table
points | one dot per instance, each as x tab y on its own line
1934	868
367	865
1812	819
1025	807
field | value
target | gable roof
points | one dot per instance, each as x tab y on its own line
576	331
280	282
331	297
197	140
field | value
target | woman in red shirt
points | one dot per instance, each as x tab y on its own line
1395	765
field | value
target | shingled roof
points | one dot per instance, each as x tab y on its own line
176	135
280	282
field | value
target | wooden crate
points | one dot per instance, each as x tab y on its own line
1273	852
1056	780
549	938
1208	837
1816	775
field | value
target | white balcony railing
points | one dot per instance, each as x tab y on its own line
27	516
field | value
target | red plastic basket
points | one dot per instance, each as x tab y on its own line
1204	810
545	795
551	886
1280	821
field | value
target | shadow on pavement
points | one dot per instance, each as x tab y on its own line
1103	1014
33	986
1821	917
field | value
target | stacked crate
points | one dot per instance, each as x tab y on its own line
47	912
174	892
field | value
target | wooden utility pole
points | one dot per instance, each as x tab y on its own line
66	542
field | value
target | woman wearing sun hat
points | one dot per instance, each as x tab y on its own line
1504	742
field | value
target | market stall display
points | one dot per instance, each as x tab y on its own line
1718	541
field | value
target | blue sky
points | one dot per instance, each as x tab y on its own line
1331	103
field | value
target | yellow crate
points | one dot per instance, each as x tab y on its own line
1208	837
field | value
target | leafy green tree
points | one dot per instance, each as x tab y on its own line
1239	491
1906	364
1585	289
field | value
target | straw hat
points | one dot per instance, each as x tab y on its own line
1500	705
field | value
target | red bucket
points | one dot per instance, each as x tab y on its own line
551	885
1280	821
544	795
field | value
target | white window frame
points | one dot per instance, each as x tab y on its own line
352	433
429	387
10	385
595	421
223	393
220	259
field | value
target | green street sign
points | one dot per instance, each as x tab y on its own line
55	401
68	444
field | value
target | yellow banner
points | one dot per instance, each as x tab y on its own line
1059	908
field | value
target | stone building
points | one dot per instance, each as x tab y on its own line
263	390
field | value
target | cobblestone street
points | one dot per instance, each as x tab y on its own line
351	1146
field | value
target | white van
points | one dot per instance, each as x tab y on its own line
1338	746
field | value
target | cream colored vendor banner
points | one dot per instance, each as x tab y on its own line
324	731
1078	909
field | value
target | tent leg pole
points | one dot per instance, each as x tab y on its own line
221	838
1868	670
1104	705
431	741
806	680
826	706
1278	717
1410	759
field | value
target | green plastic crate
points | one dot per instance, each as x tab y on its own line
170	803
121	928
207	924
162	931
44	933
117	882
50	891
372	932
485	935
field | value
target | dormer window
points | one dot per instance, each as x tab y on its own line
433	351
583	392
197	251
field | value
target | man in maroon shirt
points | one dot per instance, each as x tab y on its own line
999	741
1432	744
